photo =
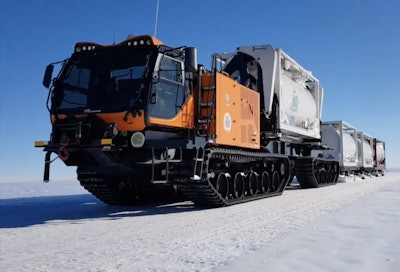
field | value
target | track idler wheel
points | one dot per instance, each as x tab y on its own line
275	181
265	182
252	181
238	185
222	185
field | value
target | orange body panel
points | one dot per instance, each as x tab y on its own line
184	118
124	121
238	113
156	41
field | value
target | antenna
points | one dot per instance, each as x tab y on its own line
155	25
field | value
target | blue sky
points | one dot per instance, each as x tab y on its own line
352	47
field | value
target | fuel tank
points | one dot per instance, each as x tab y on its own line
366	154
341	139
380	155
298	106
299	96
380	152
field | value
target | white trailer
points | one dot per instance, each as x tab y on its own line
366	153
341	139
380	157
291	96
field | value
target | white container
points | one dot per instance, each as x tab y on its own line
298	107
366	147
380	155
341	138
300	98
287	84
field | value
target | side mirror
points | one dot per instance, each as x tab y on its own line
48	75
191	59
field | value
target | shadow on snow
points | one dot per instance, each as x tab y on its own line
25	212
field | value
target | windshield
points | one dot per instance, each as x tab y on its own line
105	80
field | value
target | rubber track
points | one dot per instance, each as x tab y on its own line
304	168
101	189
203	193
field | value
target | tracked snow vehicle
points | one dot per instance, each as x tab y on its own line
139	117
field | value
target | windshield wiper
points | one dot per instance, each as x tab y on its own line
133	105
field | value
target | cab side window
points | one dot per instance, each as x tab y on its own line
169	91
171	69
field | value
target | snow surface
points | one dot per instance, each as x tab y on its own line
352	226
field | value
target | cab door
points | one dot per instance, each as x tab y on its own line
171	103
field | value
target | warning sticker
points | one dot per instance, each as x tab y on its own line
227	122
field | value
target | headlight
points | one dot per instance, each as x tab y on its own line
137	139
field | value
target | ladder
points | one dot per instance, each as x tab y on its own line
206	106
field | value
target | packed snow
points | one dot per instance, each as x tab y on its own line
58	226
